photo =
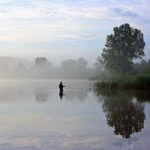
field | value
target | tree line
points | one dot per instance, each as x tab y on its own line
42	68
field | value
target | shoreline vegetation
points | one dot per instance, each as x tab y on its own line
122	47
138	82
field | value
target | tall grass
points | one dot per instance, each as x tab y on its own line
141	82
137	82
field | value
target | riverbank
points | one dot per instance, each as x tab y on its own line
141	82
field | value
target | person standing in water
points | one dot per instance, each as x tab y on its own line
61	86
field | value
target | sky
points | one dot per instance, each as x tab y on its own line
62	29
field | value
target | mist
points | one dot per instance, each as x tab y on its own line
42	68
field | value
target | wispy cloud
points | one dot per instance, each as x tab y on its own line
46	20
56	20
125	13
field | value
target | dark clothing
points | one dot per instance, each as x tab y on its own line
61	86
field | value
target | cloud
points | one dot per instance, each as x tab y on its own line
47	20
36	21
125	13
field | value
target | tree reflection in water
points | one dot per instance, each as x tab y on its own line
42	96
123	112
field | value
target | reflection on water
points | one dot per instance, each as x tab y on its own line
61	94
34	116
41	96
42	90
123	112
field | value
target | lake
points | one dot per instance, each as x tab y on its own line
33	116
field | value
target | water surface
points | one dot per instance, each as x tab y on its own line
34	117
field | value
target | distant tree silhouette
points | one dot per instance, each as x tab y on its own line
41	61
42	68
74	68
142	67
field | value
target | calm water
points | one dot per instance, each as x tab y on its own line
34	117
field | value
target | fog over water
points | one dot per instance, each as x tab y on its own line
33	116
42	68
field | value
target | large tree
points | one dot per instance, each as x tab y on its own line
125	44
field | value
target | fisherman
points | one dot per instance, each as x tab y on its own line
61	86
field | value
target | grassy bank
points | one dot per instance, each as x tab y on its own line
127	82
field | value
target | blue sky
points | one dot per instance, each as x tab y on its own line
66	29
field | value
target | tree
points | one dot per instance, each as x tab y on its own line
124	45
74	68
40	61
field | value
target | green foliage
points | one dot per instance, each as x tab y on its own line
147	71
142	67
134	82
124	45
139	82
